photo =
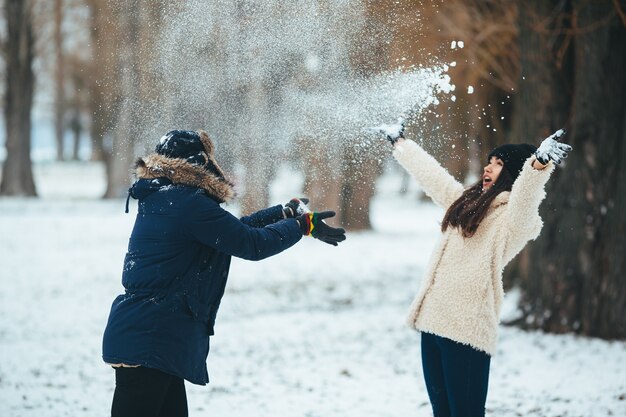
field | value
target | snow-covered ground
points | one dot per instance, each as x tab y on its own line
315	331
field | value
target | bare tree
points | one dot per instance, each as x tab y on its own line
17	174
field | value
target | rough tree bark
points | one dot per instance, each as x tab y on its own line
17	174
575	279
541	105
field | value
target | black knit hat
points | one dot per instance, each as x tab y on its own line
513	156
183	144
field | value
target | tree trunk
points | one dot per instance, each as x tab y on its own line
256	149
17	174
59	87
77	129
323	177
576	277
599	127
543	97
360	169
541	105
101	69
127	128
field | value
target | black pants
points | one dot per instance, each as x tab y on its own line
146	392
456	377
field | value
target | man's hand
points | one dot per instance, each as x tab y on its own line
296	207
313	224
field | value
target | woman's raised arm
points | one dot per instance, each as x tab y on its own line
527	193
436	182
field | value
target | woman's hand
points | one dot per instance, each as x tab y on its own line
394	132
538	165
552	150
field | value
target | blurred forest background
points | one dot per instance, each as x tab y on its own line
102	70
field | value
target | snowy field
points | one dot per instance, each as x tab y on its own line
315	331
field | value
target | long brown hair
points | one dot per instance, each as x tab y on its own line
470	209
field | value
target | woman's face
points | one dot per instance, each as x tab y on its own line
491	172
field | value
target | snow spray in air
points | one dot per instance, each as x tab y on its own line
259	75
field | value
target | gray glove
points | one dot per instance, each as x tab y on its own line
552	150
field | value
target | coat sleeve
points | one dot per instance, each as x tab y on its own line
215	227
436	182
522	219
264	217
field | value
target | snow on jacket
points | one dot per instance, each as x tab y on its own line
461	292
177	264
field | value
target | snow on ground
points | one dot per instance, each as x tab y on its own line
315	331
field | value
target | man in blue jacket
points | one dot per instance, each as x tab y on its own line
176	268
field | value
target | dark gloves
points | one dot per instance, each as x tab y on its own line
313	224
392	132
551	150
295	207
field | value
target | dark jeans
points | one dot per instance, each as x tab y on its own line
146	392
456	377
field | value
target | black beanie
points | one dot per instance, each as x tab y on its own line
183	144
513	156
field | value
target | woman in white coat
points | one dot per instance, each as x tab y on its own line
458	306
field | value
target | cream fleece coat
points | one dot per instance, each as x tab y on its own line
461	293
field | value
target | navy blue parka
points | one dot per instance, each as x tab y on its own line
177	264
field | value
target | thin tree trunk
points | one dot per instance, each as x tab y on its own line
360	170
76	133
323	177
100	69
128	124
257	151
59	88
17	174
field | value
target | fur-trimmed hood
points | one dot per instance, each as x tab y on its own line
179	171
